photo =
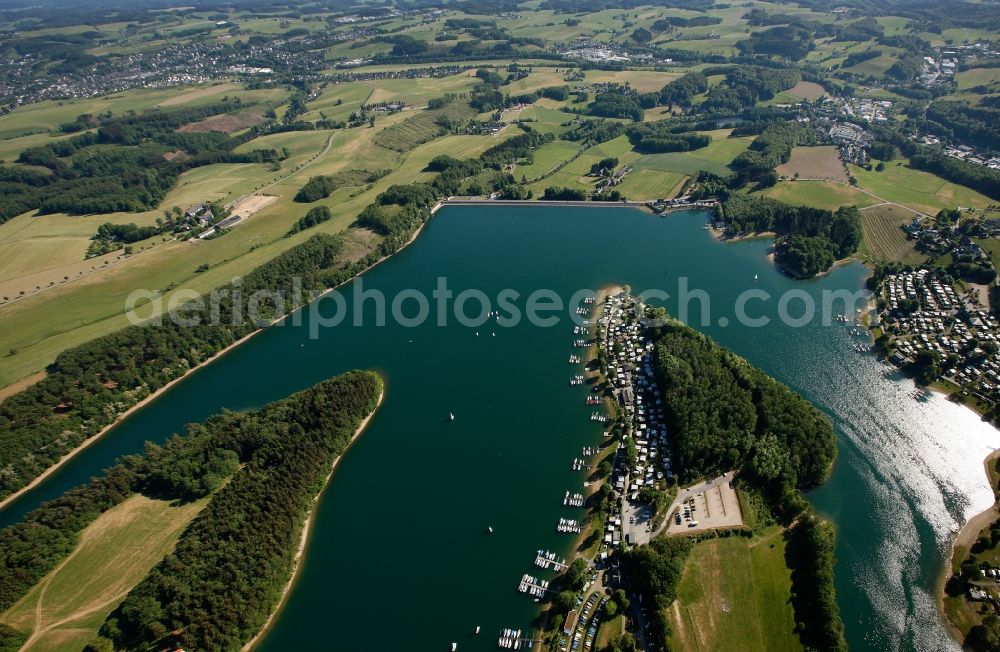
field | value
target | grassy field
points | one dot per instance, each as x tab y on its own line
651	184
734	594
546	117
884	239
992	247
546	158
815	163
67	607
714	158
978	77
820	194
915	189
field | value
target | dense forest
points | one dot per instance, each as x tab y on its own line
804	256
725	414
812	231
275	459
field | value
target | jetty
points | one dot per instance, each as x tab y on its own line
569	526
511	639
533	586
548	560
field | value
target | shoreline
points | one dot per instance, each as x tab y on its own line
39	479
307	534
965	536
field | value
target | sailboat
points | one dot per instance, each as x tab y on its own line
754	277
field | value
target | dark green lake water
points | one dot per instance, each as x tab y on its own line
399	557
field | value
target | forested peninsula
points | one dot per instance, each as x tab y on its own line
261	470
725	414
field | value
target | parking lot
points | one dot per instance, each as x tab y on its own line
705	506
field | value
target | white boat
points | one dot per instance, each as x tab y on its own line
490	528
454	646
477	629
451	416
755	277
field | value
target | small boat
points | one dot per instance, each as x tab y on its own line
477	629
755	277
490	529
454	646
451	416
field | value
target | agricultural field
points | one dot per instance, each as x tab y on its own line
47	116
921	191
735	594
884	239
67	607
418	128
820	194
815	163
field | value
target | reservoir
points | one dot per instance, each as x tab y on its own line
399	556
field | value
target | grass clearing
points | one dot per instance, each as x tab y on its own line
921	191
735	594
67	607
821	162
884	239
820	194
